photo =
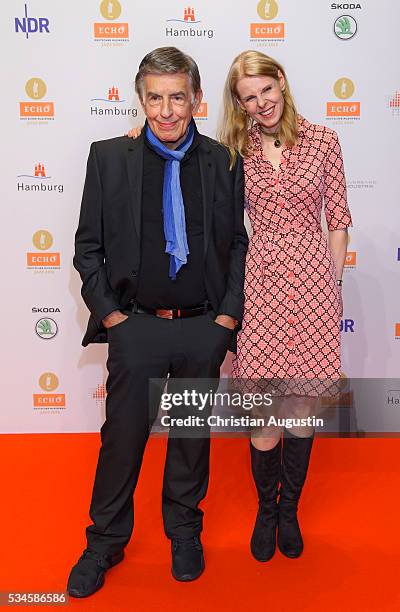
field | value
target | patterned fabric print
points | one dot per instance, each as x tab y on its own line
291	327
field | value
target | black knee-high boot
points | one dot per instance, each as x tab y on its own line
295	459
265	466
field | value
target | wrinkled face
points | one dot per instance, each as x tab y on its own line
169	104
262	99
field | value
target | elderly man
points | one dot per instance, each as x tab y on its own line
161	249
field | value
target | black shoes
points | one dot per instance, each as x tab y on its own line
295	460
87	576
187	559
265	467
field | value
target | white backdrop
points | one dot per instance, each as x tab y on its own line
62	61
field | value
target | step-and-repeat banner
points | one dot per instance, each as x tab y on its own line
67	80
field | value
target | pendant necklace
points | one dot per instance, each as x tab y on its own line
277	142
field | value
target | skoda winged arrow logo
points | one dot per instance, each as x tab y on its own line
345	27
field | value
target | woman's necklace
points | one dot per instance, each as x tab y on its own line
276	139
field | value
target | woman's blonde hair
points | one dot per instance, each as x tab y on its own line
236	123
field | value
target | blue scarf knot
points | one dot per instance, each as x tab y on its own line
173	206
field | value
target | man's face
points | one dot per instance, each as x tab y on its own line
169	104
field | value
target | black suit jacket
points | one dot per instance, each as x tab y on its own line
107	241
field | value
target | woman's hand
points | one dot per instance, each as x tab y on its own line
135	132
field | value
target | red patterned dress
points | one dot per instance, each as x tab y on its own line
291	326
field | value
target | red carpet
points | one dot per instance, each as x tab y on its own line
349	514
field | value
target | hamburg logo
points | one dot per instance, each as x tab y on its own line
394	104
110	32
43	240
113	96
345	27
48	382
345	109
38	180
31	25
188	15
46	328
109	105
39	173
186	26
36	89
271	31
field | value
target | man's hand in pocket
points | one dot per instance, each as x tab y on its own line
114	318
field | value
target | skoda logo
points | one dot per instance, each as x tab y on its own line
46	328
345	27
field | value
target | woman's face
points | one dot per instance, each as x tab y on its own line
261	97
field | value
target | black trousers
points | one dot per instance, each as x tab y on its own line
140	348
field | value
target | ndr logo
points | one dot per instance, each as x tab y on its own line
347	325
31	25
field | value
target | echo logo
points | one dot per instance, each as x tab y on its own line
48	382
351	259
106	31
344	89
347	325
397	330
43	240
202	111
36	89
31	25
267	11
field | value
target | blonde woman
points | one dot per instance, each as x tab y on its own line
291	327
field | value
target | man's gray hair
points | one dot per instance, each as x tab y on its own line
167	60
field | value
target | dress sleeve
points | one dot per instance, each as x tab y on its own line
335	194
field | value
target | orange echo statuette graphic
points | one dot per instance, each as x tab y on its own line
48	382
343	89
43	240
36	89
267	10
351	258
202	112
111	10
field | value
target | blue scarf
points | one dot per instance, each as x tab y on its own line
173	207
